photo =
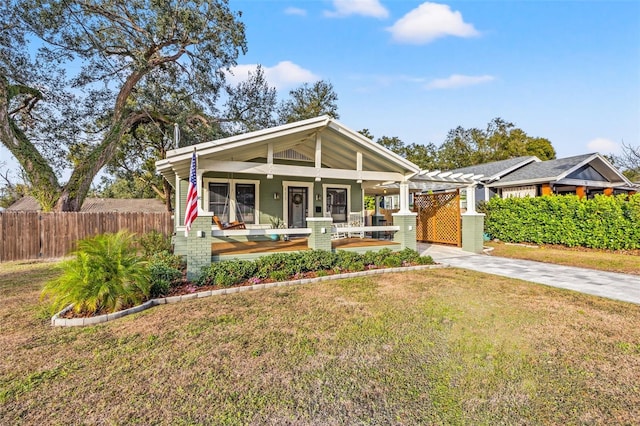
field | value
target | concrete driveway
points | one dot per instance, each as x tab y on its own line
611	285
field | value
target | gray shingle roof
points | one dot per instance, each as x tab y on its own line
146	205
497	168
550	169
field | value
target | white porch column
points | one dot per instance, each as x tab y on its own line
471	199
199	174
404	197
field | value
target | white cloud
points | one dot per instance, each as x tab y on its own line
456	80
604	146
295	11
428	22
344	8
283	75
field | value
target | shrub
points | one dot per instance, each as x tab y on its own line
344	259
316	260
162	278
279	275
425	260
105	275
408	255
166	258
602	222
376	258
227	273
271	263
154	242
392	261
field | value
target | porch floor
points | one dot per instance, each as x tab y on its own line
294	244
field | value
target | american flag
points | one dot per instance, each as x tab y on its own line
191	211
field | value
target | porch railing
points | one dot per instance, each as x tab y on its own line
259	232
215	232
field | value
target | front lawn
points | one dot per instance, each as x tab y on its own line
604	260
442	346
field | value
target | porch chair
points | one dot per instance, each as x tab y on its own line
356	219
232	225
338	231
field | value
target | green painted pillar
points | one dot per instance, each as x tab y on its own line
472	232
406	236
198	247
320	237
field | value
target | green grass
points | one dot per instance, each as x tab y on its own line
442	346
603	260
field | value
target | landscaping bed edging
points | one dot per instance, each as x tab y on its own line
57	321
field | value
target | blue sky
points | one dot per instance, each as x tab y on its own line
568	71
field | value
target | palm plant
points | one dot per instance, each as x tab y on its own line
105	275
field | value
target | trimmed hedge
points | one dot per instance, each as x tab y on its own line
602	222
283	266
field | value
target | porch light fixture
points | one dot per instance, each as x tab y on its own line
276	195
318	197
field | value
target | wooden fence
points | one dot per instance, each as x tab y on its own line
34	235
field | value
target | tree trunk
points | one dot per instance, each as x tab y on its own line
75	191
167	194
41	176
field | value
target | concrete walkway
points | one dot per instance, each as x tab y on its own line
611	285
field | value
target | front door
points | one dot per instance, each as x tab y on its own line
297	198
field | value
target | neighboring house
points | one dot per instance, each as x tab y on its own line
311	175
144	205
585	175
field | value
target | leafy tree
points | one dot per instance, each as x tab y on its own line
309	101
424	156
421	155
118	46
499	141
251	105
133	165
366	133
393	144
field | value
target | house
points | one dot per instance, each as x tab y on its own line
585	175
312	175
94	205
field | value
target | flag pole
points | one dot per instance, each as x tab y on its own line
191	207
176	135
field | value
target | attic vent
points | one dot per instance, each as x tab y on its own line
291	154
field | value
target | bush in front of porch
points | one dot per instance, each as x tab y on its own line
284	266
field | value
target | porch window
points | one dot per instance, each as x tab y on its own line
219	200
233	200
246	202
337	204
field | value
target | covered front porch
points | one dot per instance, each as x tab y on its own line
306	179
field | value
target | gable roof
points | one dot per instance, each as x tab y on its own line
562	168
94	205
340	146
497	169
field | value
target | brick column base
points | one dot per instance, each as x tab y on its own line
198	247
320	237
406	236
473	232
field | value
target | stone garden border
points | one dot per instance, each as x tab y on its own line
57	321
